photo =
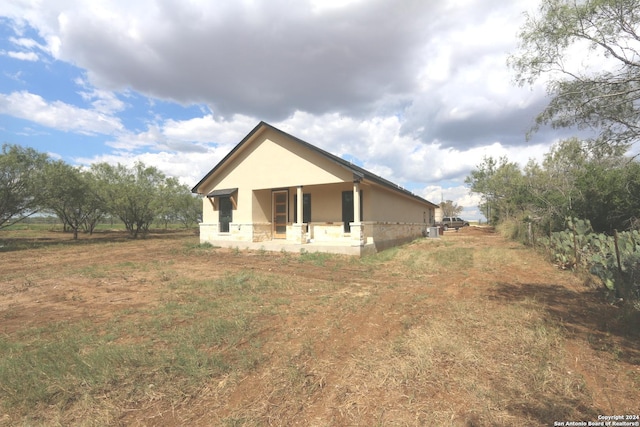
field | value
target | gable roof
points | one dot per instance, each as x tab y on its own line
358	172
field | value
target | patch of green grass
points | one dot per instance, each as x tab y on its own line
281	301
379	257
195	336
454	257
247	281
198	249
25	226
438	260
53	367
94	271
128	265
315	258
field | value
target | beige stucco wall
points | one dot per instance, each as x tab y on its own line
326	201
387	206
272	161
261	206
438	214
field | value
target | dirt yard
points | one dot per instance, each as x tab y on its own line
465	330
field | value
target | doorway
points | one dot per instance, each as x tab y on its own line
280	205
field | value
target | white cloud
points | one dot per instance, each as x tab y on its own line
104	101
22	56
322	6
194	135
439	65
25	43
151	139
266	59
207	129
57	115
460	195
186	167
415	91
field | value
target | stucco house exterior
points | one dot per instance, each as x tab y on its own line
277	192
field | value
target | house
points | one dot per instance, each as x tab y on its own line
274	191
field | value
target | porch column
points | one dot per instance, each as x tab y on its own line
299	205
357	232
356	202
298	228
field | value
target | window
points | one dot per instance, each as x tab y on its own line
225	213
225	202
306	208
347	209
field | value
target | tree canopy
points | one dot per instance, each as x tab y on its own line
21	178
450	208
73	195
572	181
30	182
588	51
142	194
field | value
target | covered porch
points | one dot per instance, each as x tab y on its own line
335	218
314	214
323	214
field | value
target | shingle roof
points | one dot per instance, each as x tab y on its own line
356	170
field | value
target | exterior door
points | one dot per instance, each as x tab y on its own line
280	213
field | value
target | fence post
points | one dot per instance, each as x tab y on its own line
615	242
575	245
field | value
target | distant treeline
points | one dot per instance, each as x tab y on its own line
33	186
106	222
576	179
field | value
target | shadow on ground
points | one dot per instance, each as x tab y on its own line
60	238
585	315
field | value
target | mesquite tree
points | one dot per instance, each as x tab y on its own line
588	53
69	193
572	181
20	183
450	208
131	194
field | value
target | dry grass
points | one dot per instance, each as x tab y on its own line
467	330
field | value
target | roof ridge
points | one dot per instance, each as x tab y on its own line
350	165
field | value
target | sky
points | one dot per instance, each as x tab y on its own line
416	91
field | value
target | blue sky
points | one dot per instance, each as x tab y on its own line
417	91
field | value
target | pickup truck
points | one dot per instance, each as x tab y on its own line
452	222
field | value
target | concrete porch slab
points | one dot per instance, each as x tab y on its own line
287	246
